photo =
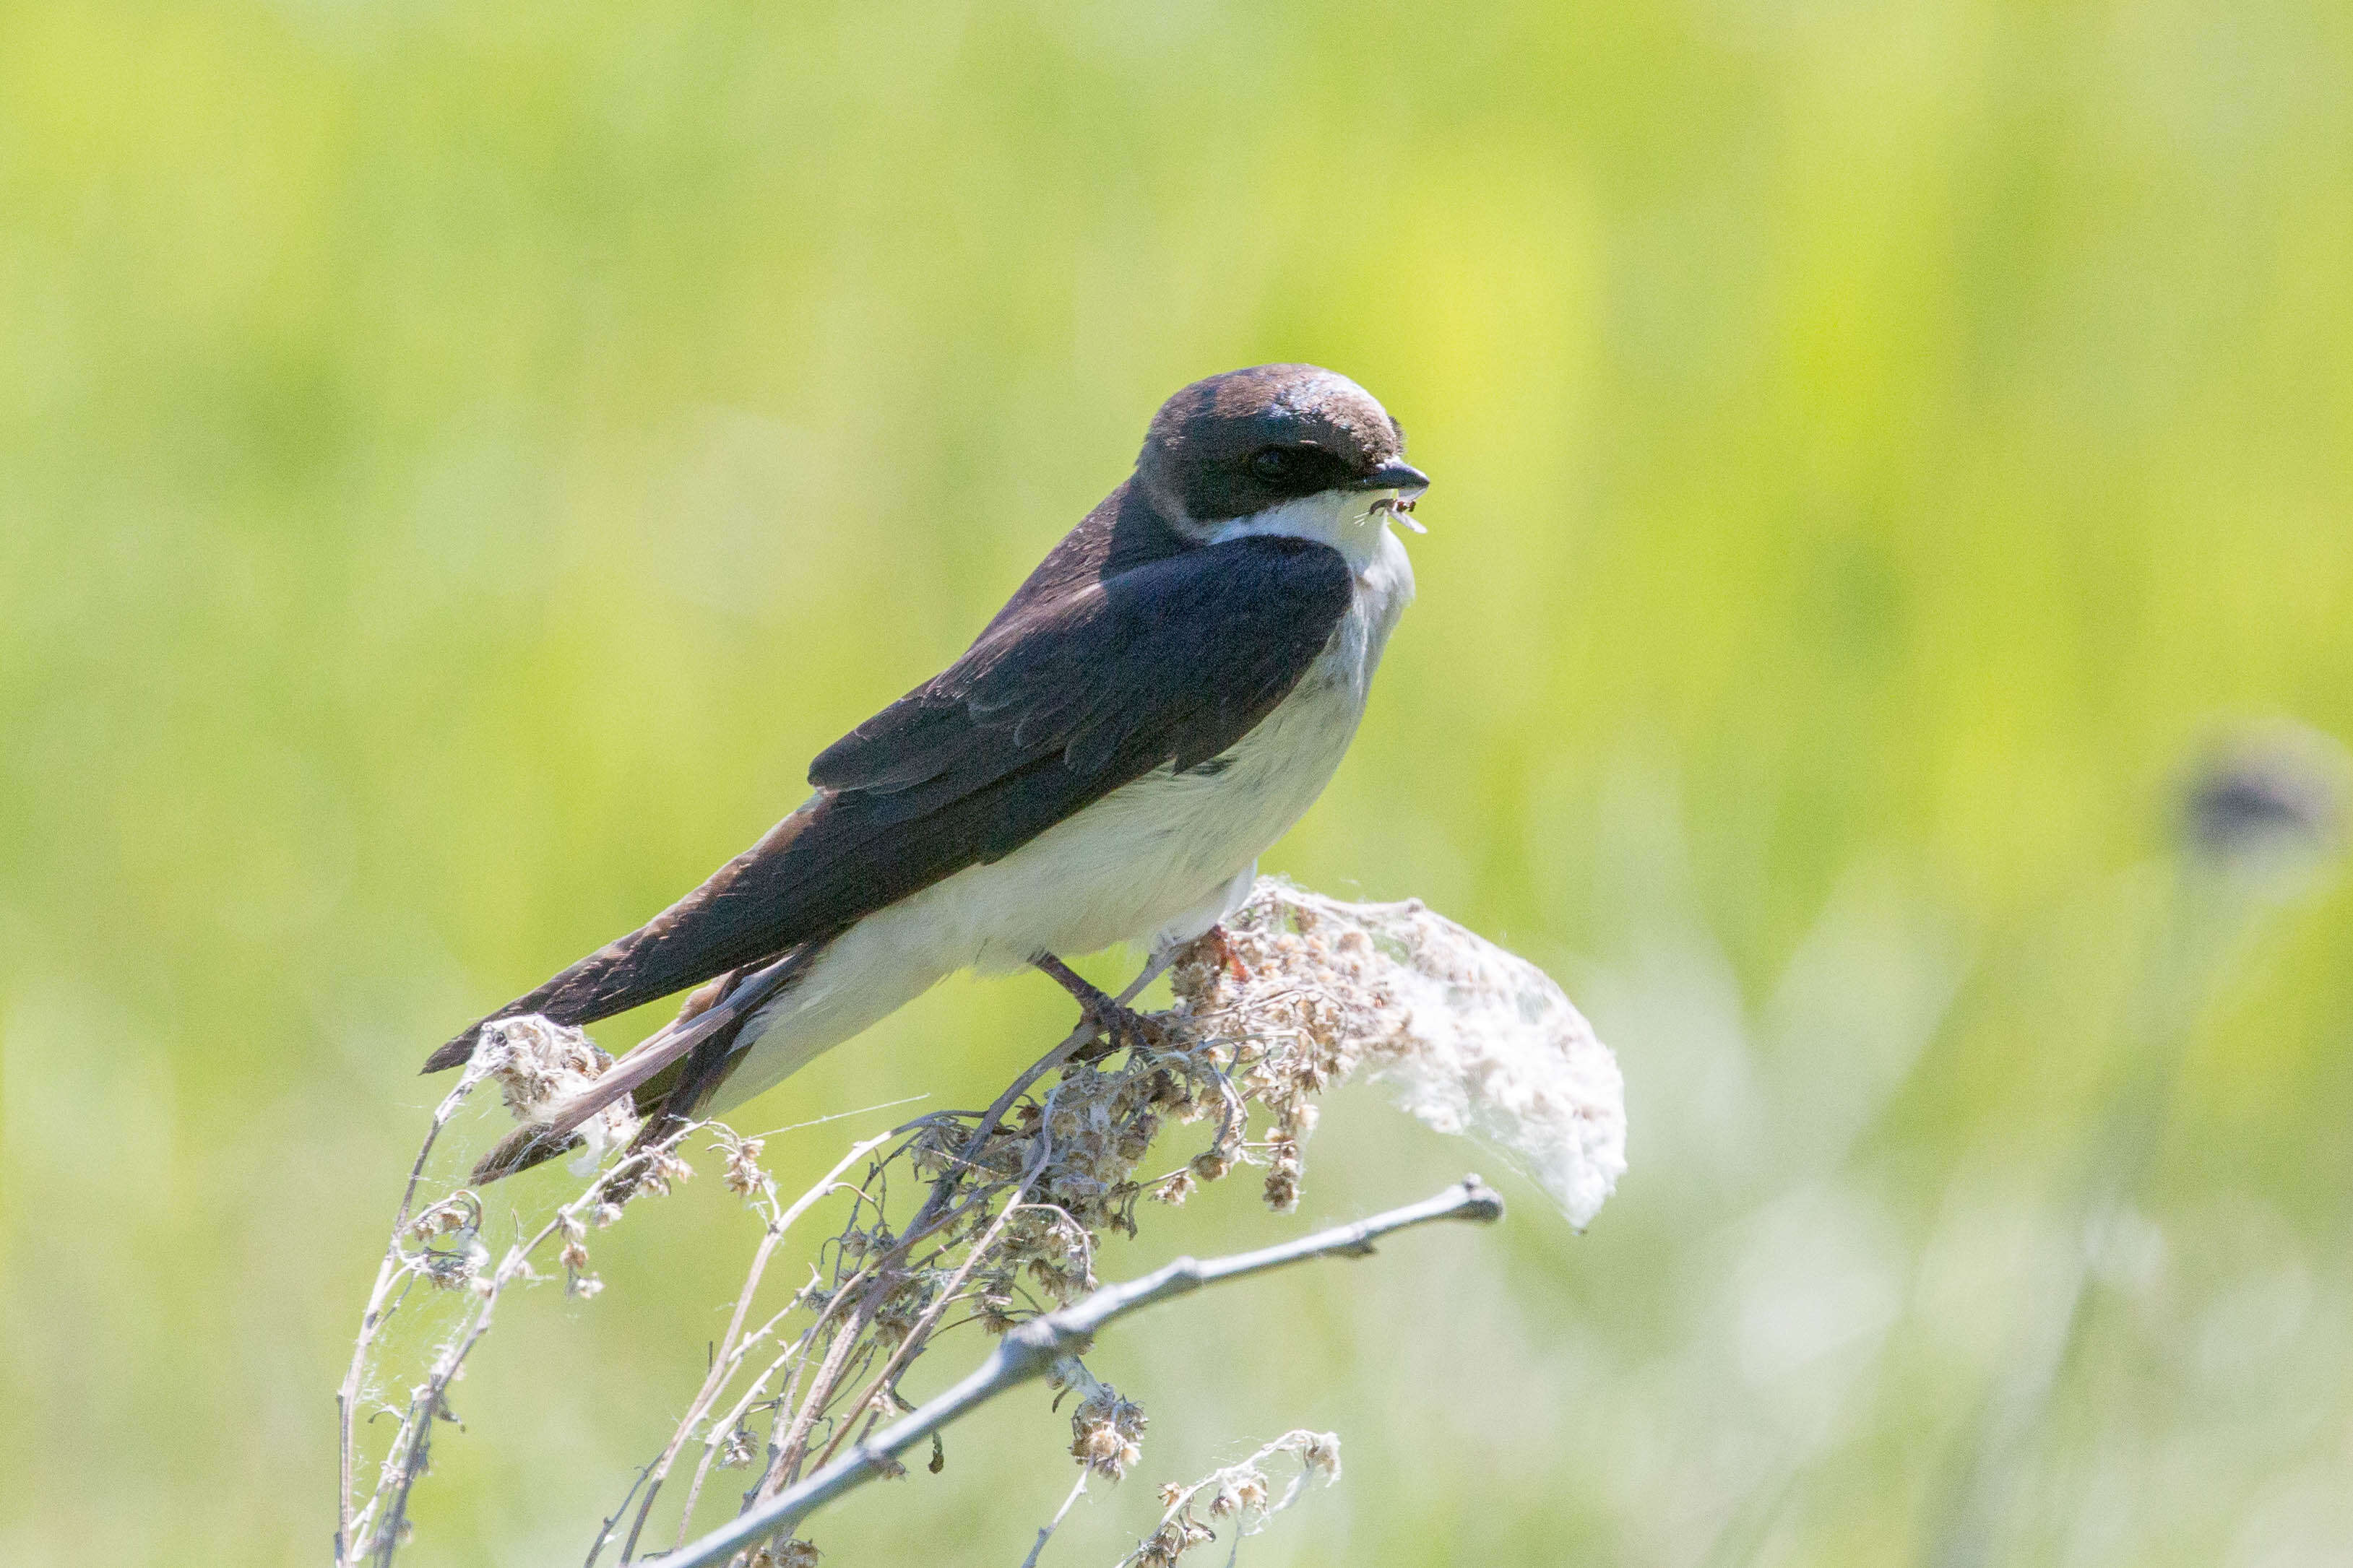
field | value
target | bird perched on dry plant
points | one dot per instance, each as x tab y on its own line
1161	699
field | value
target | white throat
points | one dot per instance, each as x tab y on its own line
1353	522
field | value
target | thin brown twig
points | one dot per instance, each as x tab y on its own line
732	1348
936	1216
1027	1350
1046	1530
412	1446
1087	1030
917	1337
394	1268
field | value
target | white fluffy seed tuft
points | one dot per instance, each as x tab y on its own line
1465	1036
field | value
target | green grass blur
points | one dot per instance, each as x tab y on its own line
458	463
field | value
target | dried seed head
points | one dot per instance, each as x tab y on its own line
1107	1432
1172	1540
1240	1493
459	1211
739	1450
664	1169
1467	1037
540	1065
465	1264
743	1172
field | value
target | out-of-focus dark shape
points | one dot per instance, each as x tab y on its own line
2272	797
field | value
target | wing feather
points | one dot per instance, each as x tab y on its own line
1166	663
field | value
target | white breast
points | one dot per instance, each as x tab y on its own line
1168	846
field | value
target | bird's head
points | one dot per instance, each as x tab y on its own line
1274	448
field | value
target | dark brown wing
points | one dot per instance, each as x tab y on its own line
1170	662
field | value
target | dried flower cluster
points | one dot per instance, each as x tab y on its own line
997	1214
1239	1497
1106	1430
540	1065
1073	1154
1467	1037
440	1244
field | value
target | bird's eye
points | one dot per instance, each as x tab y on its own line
1272	463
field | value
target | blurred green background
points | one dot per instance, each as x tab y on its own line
458	463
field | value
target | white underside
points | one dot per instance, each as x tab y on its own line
1155	862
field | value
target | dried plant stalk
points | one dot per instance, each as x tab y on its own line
1029	1351
994	1219
1238	1495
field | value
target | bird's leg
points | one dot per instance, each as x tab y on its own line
1116	1023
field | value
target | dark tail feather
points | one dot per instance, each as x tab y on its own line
522	1149
672	1097
528	1146
667	1106
665	1102
742	915
578	995
460	1049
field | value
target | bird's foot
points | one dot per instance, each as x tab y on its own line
1118	1025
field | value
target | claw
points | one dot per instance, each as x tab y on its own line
1119	1028
1118	1025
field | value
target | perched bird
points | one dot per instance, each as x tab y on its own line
1161	699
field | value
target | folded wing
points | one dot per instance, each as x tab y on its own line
1167	664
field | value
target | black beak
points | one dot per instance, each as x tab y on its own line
1398	475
